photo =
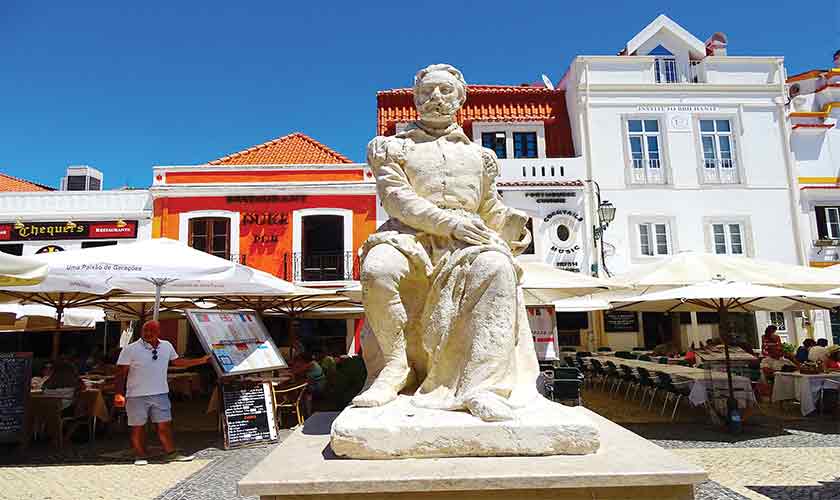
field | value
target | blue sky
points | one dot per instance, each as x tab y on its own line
124	86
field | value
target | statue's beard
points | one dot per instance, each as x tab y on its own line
437	111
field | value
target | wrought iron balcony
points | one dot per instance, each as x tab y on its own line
320	266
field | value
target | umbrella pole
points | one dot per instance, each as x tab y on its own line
56	340
733	416
156	313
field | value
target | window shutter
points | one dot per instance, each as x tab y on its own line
822	228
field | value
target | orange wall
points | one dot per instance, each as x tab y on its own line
266	256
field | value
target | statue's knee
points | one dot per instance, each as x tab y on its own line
383	269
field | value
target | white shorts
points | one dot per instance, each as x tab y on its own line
140	409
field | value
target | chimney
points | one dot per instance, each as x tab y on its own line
716	45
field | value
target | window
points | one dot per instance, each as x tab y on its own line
524	144
495	141
654	239
778	319
645	164
828	222
718	152
211	235
728	239
95	244
12	249
665	69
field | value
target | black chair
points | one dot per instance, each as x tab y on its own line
569	360
829	395
640	348
614	375
645	357
663	360
605	349
623	355
583	354
631	379
672	390
648	385
567	384
599	371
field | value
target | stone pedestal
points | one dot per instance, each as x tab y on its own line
625	466
401	430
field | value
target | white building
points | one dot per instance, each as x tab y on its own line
53	221
815	141
690	145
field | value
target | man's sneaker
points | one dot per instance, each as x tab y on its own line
141	461
177	457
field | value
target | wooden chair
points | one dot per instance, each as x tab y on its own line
288	399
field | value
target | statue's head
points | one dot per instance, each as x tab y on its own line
439	92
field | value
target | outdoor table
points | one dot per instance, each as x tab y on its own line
46	410
701	380
800	386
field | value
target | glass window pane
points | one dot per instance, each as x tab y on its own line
722	125
199	243
634	125
735	239
644	239
661	239
832	215
487	139
707	125
725	147
653	146
651	126
719	238
220	227
199	226
709	147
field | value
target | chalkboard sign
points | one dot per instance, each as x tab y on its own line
621	321
248	414
15	378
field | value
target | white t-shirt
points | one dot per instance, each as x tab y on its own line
817	353
146	375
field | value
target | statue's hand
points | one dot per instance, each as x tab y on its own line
472	232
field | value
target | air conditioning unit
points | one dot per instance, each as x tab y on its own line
82	178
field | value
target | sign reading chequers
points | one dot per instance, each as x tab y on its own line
41	231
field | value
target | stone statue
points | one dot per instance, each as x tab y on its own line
445	263
440	288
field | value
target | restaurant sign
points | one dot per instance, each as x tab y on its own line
48	231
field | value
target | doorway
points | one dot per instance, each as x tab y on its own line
322	247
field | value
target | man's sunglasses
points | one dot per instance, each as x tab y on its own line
154	353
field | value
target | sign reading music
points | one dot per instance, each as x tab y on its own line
85	230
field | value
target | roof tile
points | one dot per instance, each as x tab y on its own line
292	149
13	184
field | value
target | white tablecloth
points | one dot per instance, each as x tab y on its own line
701	381
804	388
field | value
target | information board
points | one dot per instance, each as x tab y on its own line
621	321
543	325
15	379
237	340
248	414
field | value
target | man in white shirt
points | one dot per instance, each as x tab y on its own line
819	352
143	389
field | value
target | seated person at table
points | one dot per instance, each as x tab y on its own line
774	362
832	362
64	383
305	365
36	384
819	352
802	352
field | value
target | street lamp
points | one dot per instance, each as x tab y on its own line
606	214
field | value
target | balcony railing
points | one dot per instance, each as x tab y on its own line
722	163
319	266
667	70
646	163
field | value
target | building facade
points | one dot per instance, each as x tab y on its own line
814	108
690	146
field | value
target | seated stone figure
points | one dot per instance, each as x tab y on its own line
439	279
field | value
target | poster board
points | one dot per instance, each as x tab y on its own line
543	325
621	321
237	341
247	414
15	380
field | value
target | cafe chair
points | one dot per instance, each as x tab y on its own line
648	386
567	383
605	349
673	390
628	376
645	357
288	399
598	372
831	388
614	375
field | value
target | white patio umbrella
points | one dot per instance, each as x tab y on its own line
689	268
46	316
723	296
19	271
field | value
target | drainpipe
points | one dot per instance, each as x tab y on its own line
793	184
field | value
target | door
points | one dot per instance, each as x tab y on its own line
323	253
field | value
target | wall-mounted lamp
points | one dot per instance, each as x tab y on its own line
19	224
121	222
70	225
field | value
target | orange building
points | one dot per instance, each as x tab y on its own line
292	207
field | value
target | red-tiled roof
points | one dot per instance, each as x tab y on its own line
490	103
292	149
13	184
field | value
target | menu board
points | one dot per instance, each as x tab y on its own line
248	414
15	377
542	321
237	341
621	321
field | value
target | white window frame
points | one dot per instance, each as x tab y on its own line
735	151
780	327
184	227
297	228
629	165
509	128
831	234
747	242
634	223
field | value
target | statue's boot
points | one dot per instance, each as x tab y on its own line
382	272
